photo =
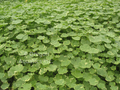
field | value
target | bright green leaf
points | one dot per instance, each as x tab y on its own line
62	70
16	21
76	73
79	87
60	82
93	81
52	67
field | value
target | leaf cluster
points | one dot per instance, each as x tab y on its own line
78	41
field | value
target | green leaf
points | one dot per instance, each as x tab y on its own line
66	42
40	30
93	81
10	60
58	26
76	62
72	34
85	48
3	39
57	76
76	38
29	21
45	62
49	33
101	85
92	71
55	43
118	25
102	72
51	67
26	78
75	43
85	64
46	40
3	24
105	39
32	60
53	86
77	73
70	82
87	76
42	47
18	83
86	85
15	69
62	70
55	38
22	52
113	68
25	86
5	86
100	48
11	27
38	21
70	55
41	37
25	38
115	20
117	78
43	78
110	34
46	21
42	71
50	80
75	52
93	88
96	66
108	46
60	82
109	78
85	40
95	39
110	53
64	35
65	62
20	36
93	50
113	87
118	14
16	21
41	86
79	87
2	75
2	46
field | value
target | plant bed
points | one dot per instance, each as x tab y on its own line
60	45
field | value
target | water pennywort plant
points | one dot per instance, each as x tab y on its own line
75	45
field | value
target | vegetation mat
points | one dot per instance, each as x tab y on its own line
60	45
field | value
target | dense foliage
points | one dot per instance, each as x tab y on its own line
60	45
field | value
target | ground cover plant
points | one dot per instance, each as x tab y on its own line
60	45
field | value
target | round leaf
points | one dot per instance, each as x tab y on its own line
60	82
